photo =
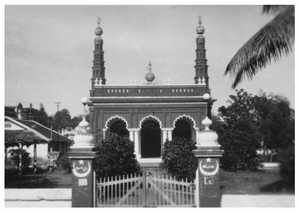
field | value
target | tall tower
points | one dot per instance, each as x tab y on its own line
98	77
201	76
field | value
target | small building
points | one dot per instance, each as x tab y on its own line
42	143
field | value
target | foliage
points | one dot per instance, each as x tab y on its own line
271	42
115	156
61	119
287	168
178	158
276	124
252	122
240	142
25	157
63	162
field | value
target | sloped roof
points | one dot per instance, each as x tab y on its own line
29	132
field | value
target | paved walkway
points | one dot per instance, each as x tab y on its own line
62	198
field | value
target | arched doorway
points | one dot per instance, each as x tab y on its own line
184	129
118	126
150	139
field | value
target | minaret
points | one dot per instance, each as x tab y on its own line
98	77
201	76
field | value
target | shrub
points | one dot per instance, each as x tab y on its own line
115	156
240	143
63	162
287	168
25	157
178	158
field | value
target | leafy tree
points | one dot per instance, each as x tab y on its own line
61	119
25	157
271	42
276	124
115	156
75	121
179	159
250	121
41	116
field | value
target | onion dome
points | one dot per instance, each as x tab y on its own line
200	29
207	137
149	75
98	30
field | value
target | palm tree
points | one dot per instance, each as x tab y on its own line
272	41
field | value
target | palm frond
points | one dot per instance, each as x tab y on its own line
271	42
274	8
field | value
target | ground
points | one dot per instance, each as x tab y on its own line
241	182
248	182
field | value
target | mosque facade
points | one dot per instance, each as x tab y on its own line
150	113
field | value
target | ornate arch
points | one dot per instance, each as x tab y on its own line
150	116
115	117
187	117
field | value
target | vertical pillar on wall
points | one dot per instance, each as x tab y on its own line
131	134
165	135
20	159
136	144
169	132
81	155
34	158
208	153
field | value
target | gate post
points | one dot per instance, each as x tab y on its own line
208	153
81	155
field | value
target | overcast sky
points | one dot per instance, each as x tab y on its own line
48	50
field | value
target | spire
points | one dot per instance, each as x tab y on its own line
201	76
98	77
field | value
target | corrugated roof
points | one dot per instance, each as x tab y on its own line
42	133
51	134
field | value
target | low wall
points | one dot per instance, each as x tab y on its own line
62	198
38	197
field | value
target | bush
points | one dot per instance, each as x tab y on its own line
287	167
178	158
63	162
240	143
115	156
25	157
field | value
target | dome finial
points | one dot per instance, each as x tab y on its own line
149	75
98	30
98	21
200	29
149	66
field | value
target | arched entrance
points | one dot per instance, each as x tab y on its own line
184	129
118	126
150	139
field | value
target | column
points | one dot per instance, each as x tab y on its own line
20	159
208	153
137	144
34	158
169	132
131	134
165	135
83	175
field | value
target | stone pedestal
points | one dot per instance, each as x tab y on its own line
83	178
208	176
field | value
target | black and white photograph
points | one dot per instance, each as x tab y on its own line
149	105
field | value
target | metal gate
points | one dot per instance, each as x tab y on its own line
144	190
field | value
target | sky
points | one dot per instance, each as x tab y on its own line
49	50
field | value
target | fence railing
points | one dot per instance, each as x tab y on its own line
146	189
